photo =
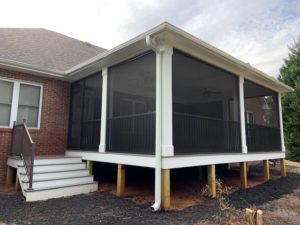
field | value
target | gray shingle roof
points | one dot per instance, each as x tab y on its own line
44	48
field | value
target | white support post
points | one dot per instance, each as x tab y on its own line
102	146
281	123
166	101
242	114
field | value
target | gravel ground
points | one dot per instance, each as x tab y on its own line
105	208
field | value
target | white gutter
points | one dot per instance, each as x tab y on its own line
102	55
15	65
157	204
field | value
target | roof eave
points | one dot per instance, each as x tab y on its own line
167	30
31	69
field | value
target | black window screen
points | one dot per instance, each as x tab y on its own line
205	107
131	106
85	113
262	127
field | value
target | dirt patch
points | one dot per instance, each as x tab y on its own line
182	195
187	192
285	210
279	199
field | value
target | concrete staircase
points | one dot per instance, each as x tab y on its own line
55	177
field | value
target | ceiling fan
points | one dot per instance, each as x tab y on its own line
207	93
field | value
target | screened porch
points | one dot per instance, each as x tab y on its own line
205	109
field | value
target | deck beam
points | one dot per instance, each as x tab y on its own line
121	180
243	174
212	180
266	170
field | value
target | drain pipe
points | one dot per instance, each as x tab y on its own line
153	45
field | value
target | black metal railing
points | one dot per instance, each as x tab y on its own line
262	138
84	135
90	134
23	146
132	134
193	134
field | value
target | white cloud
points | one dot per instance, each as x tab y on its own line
256	31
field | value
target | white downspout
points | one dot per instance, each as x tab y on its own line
157	204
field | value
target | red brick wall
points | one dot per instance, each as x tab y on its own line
254	105
51	138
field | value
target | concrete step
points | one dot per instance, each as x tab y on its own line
59	174
44	183
60	191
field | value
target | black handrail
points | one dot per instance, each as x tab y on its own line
23	146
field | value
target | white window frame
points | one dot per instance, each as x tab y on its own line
247	116
15	101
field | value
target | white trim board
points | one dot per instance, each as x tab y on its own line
175	161
203	160
118	158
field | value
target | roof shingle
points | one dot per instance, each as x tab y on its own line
44	48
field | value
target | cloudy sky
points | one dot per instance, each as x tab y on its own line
256	31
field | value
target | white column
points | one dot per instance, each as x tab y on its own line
166	101
242	114
281	123
102	145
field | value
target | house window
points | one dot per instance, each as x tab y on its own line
6	90
249	117
18	101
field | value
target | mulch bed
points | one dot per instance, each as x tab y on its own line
105	208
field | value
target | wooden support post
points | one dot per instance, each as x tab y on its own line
121	180
165	190
282	168
89	165
9	175
212	181
266	170
243	174
259	217
254	217
17	184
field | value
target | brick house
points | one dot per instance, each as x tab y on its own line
163	100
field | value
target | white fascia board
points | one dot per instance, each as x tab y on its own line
118	48
117	158
31	69
175	161
212	159
226	56
168	32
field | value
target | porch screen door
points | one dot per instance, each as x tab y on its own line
85	113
